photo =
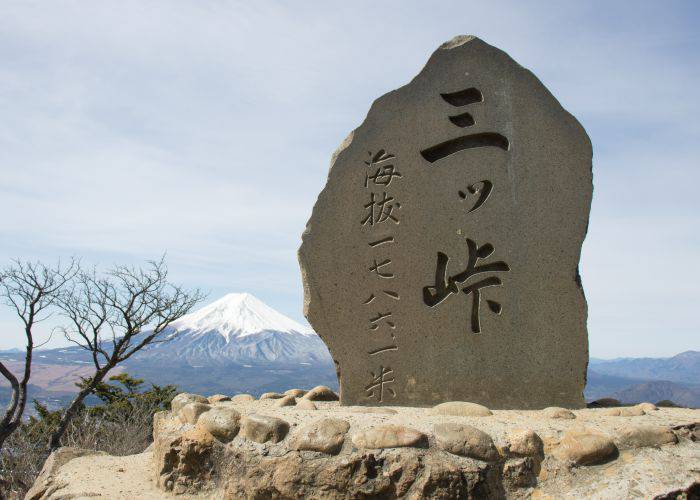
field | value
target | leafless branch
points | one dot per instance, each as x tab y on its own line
116	314
30	289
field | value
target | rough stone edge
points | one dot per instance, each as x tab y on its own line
307	308
44	483
455	42
689	492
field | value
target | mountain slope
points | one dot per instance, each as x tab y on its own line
237	329
239	344
601	386
632	380
239	315
683	367
235	344
658	390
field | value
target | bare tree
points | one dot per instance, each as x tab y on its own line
115	315
30	289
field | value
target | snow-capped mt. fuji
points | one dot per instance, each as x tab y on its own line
235	344
238	315
238	329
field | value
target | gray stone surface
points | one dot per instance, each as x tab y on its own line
440	260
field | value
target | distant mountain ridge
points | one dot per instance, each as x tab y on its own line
239	329
235	344
632	380
659	390
239	344
683	367
238	315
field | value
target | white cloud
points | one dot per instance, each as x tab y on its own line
204	128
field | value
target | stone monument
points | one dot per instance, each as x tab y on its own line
441	259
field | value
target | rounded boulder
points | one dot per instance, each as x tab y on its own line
218	398
286	401
647	407
585	447
261	428
185	398
222	422
556	412
271	395
321	393
325	436
373	409
242	398
305	404
525	443
461	409
297	393
466	441
190	413
646	436
625	411
390	436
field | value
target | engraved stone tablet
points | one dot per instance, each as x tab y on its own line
441	259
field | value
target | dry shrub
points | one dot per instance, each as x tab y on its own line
123	425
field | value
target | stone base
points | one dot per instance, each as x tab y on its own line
451	451
448	452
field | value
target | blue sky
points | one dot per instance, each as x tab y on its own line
205	128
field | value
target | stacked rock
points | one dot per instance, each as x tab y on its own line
218	415
444	436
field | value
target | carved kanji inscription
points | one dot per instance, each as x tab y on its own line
440	262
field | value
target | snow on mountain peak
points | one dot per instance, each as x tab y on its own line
238	315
